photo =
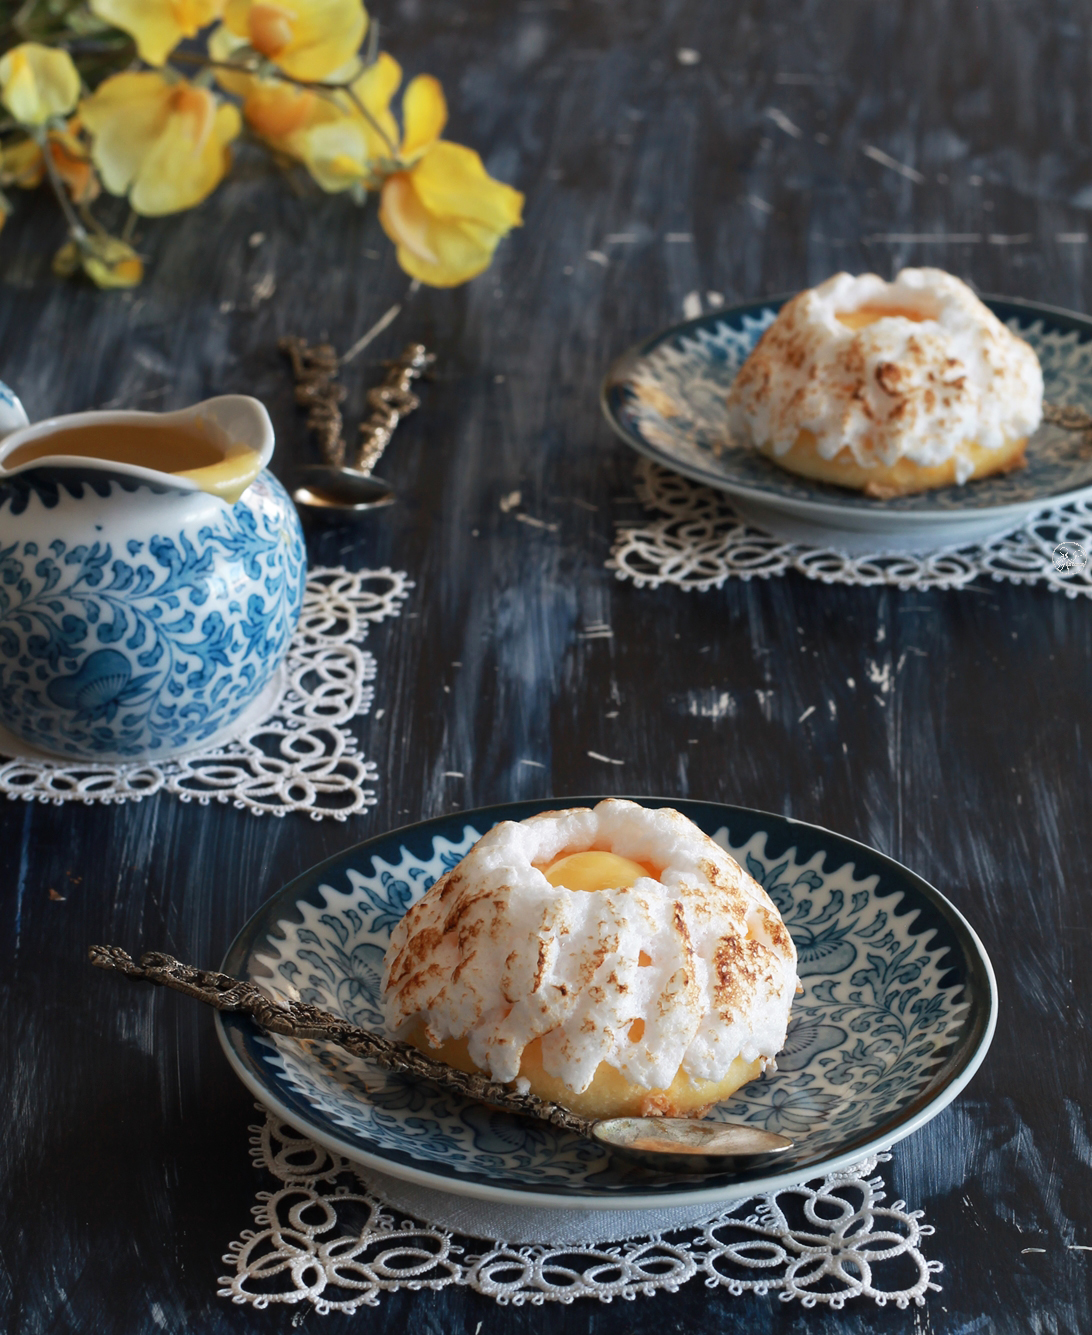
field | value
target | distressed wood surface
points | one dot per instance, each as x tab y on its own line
962	750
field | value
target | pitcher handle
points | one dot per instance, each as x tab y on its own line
12	413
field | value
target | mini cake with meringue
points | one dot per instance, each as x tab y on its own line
889	388
614	958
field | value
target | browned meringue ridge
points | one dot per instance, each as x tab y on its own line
658	988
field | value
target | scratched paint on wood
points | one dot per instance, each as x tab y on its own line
949	730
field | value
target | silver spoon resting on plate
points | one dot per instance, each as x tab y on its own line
664	1144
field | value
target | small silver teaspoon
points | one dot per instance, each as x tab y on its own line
664	1144
353	488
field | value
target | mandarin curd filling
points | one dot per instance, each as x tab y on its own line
889	388
617	960
596	869
863	316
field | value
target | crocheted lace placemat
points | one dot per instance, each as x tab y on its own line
692	538
299	754
329	1234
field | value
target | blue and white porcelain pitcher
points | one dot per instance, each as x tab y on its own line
151	577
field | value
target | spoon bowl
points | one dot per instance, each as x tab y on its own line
333	487
684	1145
324	487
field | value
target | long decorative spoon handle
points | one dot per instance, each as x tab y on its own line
389	403
297	1019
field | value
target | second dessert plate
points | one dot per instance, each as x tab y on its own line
897	1013
666	398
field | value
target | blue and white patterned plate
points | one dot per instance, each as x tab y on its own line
898	1010
666	398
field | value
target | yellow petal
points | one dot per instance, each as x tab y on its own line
37	83
446	215
227	126
309	39
374	89
440	252
378	83
270	28
22	165
67	260
157	26
109	262
336	154
345	74
451	182
189	158
125	116
163	144
404	219
275	110
74	167
424	113
222	45
463	256
235	17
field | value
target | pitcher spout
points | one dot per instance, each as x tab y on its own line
244	423
219	446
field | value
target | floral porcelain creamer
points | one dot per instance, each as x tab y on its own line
144	606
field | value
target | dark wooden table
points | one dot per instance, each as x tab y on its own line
125	1167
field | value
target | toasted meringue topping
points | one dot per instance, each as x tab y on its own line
690	970
915	368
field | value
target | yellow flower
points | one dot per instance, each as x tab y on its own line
22	165
332	144
443	211
313	40
327	133
163	144
277	111
438	205
157	26
73	163
37	83
107	260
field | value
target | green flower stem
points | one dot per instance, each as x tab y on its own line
92	222
391	148
75	227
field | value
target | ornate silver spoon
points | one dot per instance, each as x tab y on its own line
665	1144
337	485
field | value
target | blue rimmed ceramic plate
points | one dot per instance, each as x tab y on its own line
666	398
898	1010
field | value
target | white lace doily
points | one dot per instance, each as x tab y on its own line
327	1235
298	755
693	539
